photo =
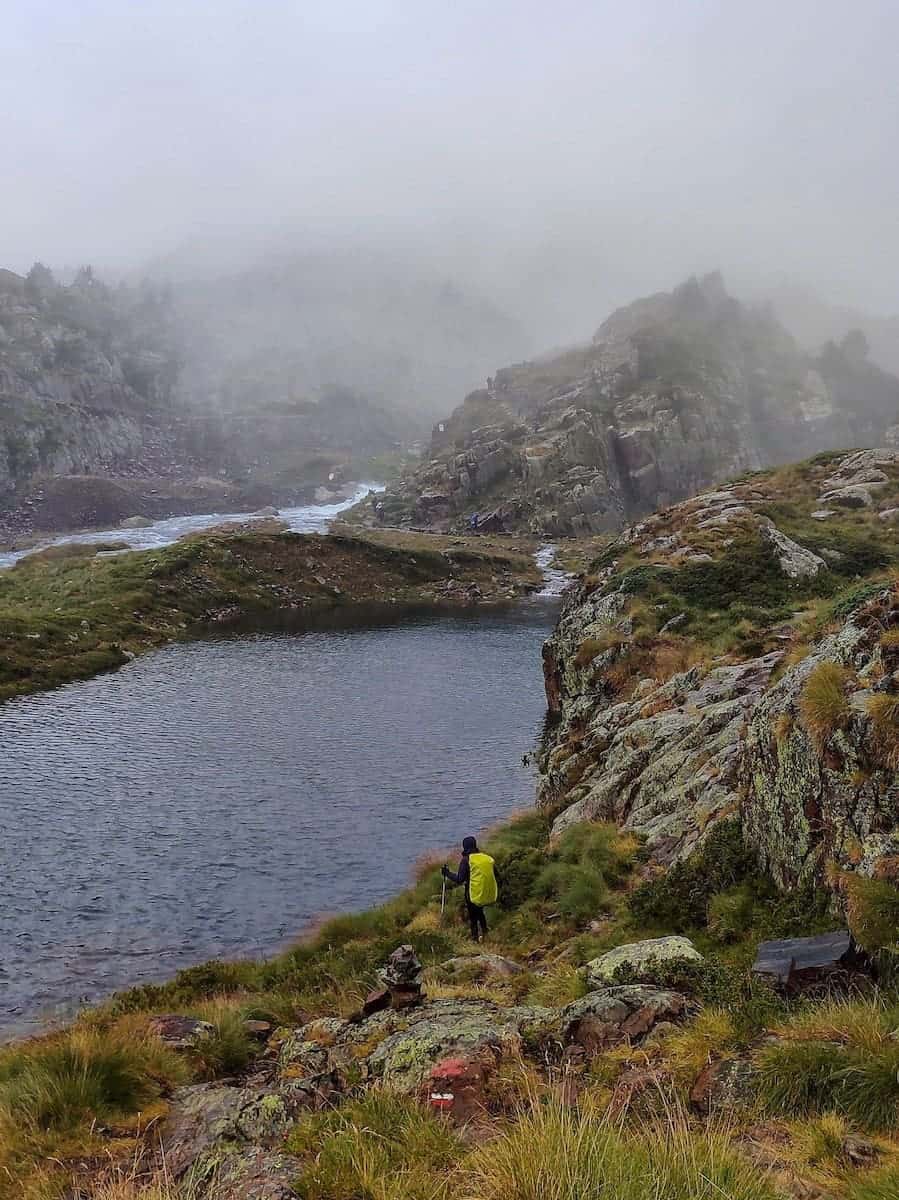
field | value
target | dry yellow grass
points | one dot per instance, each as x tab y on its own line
824	705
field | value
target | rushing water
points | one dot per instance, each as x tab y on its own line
307	518
209	799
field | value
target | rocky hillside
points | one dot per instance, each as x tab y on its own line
96	385
86	380
675	392
737	655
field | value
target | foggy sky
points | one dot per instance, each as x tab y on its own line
567	154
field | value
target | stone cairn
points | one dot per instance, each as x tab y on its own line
401	979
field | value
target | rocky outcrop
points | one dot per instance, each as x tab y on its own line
685	677
675	392
806	805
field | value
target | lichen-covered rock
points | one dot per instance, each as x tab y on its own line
609	1016
665	764
452	1028
253	1174
668	753
804	804
640	956
207	1116
721	1086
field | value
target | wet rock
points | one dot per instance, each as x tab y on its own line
135	523
641	957
181	1033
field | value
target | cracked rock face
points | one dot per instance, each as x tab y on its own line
668	774
668	754
666	400
802	808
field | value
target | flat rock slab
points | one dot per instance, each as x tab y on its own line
181	1033
786	961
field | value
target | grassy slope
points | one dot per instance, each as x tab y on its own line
68	614
826	1072
832	1073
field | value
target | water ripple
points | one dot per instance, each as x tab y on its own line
211	798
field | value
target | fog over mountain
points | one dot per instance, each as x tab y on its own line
552	160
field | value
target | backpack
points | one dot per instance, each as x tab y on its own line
482	887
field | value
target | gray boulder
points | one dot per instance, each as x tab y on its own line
641	957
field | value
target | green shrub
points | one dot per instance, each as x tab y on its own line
748	573
679	899
730	913
709	981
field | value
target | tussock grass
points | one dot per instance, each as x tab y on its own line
835	1057
558	1153
883	712
559	985
83	1075
879	1185
381	1147
823	705
229	1049
872	907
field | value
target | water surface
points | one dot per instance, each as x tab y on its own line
209	799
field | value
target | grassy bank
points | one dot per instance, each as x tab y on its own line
70	612
823	1073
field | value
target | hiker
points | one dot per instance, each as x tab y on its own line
478	872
